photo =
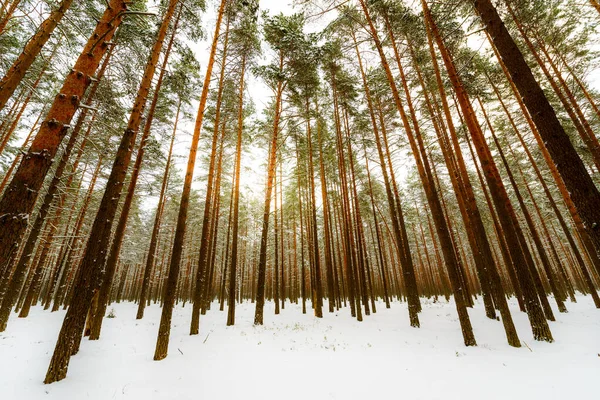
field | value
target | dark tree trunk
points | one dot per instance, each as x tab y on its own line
582	189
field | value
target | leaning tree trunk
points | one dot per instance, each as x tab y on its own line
582	189
424	169
90	276
32	91
562	188
19	68
23	148
19	198
4	18
113	258
394	207
162	343
18	276
514	236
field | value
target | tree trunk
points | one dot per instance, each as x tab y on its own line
236	200
262	258
90	277
582	189
19	68
395	211
156	227
115	249
21	264
162	343
507	217
6	16
19	198
315	236
15	120
205	235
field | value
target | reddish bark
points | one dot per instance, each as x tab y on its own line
19	198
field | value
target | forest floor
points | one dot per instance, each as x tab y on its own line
295	356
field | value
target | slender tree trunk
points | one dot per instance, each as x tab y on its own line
21	264
328	247
315	236
262	260
424	169
204	238
19	156
301	217
564	192
162	343
236	200
276	266
476	234
15	121
90	277
157	223
7	15
395	211
507	217
115	249
70	265
532	229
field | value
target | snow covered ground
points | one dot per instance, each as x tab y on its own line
295	356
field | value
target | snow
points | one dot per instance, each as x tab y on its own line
295	356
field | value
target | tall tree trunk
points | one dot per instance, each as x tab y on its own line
326	222
90	277
395	210
236	200
7	15
315	236
115	249
564	192
162	342
21	264
424	169
301	217
507	217
157	222
532	229
15	120
276	266
205	235
476	234
70	265
23	148
262	258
